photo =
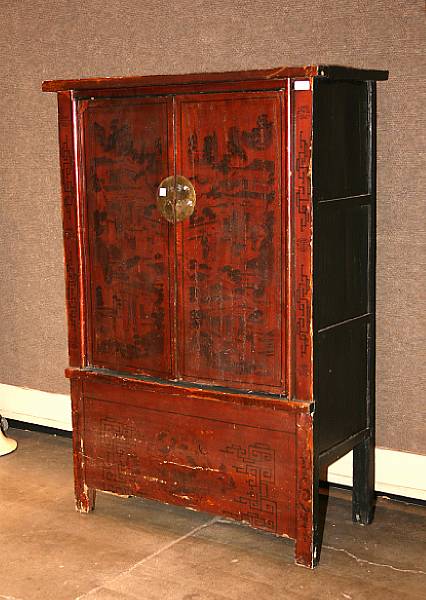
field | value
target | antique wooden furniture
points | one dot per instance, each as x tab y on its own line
220	267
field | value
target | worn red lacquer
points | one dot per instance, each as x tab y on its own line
192	344
70	220
230	263
125	158
301	243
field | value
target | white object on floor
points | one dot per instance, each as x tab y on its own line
7	445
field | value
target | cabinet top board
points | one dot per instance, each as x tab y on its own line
278	73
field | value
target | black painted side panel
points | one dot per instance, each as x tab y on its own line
342	262
341	145
342	365
343	190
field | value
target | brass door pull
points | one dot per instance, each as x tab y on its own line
176	198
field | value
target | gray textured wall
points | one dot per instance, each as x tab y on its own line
66	38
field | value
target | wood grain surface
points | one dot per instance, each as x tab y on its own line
328	71
224	296
301	279
230	257
143	443
71	215
128	244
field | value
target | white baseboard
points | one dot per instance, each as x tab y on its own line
35	406
400	473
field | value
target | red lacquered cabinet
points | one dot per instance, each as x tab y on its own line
220	271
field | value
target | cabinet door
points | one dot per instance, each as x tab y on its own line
230	268
126	154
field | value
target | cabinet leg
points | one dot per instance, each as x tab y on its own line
308	537
85	498
84	495
363	482
308	534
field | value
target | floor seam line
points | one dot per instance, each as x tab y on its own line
149	557
374	564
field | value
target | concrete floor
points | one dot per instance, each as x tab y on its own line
137	549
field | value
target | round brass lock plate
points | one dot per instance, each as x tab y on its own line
176	198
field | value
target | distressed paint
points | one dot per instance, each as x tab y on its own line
84	495
71	229
193	454
230	263
261	78
251	453
301	256
306	520
125	159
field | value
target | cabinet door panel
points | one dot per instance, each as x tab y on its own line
126	156
230	268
